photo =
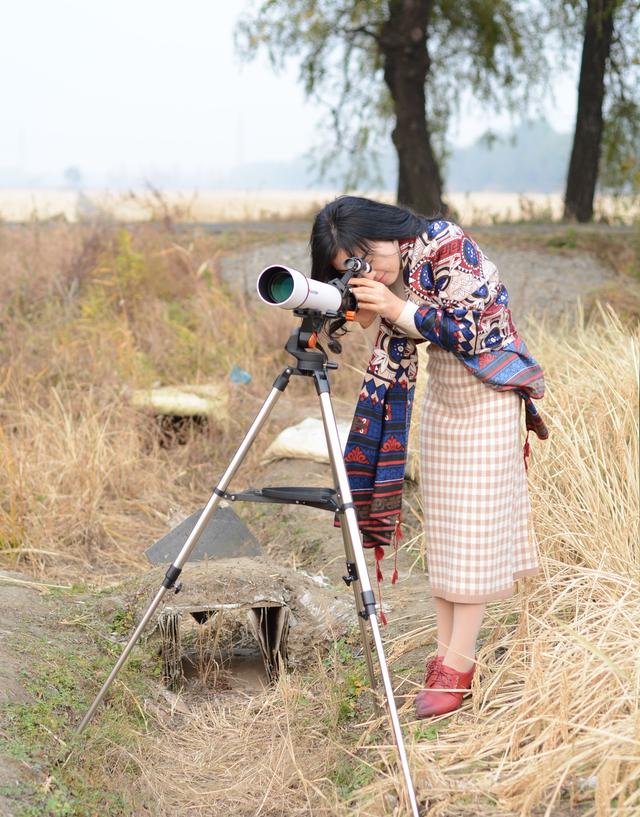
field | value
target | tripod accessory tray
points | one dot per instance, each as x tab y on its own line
323	498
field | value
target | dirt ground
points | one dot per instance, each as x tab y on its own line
23	611
541	278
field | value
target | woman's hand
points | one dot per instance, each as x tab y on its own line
376	297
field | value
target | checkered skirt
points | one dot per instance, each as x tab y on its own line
474	484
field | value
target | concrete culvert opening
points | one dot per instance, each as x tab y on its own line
237	624
220	649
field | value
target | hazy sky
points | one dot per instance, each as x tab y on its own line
137	86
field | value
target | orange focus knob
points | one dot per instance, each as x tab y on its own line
350	316
312	341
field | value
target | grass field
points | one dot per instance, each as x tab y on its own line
88	313
238	206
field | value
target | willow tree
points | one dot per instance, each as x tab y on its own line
399	68
606	142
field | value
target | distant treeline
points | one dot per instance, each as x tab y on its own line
532	159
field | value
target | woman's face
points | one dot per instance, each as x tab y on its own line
384	258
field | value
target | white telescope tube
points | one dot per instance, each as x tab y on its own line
289	289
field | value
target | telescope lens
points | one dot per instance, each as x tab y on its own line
280	287
290	289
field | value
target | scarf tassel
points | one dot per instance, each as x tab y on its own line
397	537
526	451
379	554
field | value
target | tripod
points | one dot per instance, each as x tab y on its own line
311	362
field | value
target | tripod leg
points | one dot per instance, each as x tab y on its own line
176	568
364	634
368	599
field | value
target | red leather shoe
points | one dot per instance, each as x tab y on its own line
430	666
445	689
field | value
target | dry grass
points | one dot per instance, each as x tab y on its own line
86	315
238	206
261	756
554	720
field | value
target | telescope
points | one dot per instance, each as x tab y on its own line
288	288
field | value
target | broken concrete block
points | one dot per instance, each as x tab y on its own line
183	401
305	441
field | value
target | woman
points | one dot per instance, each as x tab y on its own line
429	281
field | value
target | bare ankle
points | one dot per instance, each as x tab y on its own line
458	662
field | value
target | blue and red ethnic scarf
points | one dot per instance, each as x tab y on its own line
462	306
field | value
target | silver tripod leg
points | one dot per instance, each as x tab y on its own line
350	519
365	601
207	513
364	633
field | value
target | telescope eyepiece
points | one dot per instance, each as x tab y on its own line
356	265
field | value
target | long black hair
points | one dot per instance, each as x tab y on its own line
350	223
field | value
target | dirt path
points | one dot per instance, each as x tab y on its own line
539	281
23	611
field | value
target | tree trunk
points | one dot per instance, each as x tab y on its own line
403	44
585	154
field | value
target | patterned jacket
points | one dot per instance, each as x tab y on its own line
455	299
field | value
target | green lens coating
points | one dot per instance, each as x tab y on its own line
280	287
